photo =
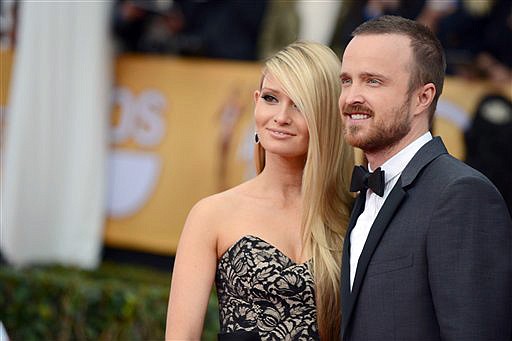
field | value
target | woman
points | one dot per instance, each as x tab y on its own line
273	244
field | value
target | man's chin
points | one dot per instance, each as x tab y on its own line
363	143
354	139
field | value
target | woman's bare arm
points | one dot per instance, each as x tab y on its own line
193	275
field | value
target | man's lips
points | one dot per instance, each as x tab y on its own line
358	115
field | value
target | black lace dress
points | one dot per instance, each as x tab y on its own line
264	295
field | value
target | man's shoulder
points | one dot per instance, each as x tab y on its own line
448	169
451	165
435	155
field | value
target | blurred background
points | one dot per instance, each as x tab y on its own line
117	116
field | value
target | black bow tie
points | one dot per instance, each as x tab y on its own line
363	179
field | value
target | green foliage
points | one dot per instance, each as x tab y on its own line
114	302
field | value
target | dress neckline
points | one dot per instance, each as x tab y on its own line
253	237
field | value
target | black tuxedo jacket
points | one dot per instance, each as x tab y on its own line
437	264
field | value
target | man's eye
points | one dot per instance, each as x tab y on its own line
346	81
373	81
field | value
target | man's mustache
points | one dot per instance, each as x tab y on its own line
361	109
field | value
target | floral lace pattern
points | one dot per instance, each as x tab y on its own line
261	289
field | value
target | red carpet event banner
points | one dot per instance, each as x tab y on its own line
182	129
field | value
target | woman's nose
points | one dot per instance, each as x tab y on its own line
283	116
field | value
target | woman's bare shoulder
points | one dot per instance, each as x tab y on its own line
220	206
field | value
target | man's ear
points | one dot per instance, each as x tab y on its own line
424	97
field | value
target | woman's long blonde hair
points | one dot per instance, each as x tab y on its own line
309	74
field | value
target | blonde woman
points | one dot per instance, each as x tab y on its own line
272	245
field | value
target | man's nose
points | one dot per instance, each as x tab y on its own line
353	95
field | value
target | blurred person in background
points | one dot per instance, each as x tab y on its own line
280	27
147	26
287	21
355	13
227	29
273	244
495	58
475	36
8	23
488	146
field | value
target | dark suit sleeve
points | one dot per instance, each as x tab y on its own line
470	262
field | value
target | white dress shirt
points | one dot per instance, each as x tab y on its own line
392	170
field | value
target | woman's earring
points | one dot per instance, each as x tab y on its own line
256	138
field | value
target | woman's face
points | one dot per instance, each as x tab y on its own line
281	127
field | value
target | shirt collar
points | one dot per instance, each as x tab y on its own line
396	164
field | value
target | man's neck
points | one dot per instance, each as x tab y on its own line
378	158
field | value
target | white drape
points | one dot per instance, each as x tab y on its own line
54	162
318	19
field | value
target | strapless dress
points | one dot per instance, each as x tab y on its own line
263	294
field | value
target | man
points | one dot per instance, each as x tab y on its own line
428	255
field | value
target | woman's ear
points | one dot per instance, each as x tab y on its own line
256	96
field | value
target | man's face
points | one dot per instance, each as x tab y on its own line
374	101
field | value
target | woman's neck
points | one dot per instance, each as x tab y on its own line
282	178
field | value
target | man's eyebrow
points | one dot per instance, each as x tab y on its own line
344	75
365	75
372	75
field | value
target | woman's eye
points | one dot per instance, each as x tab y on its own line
269	98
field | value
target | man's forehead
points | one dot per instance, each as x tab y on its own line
379	43
382	37
378	48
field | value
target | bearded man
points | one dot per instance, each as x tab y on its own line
428	253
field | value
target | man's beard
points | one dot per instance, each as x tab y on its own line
380	136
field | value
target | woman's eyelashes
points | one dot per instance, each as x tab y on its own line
274	100
269	98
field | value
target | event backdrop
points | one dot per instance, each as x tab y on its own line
182	129
179	129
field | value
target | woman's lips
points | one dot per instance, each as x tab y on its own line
280	133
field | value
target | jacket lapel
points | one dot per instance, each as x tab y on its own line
423	157
379	226
345	268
